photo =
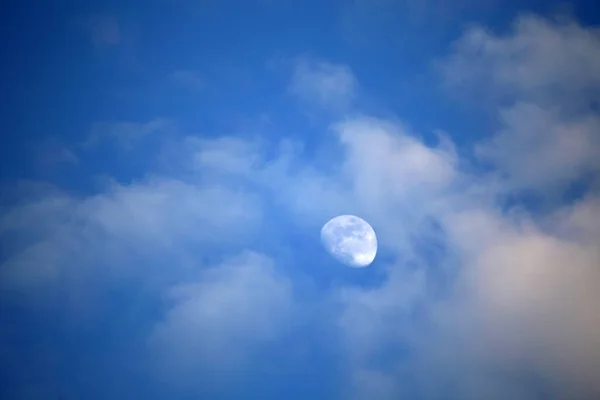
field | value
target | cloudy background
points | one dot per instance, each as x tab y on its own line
167	167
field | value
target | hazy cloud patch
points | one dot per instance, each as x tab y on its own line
323	84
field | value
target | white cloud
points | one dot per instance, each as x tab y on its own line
301	188
323	84
391	174
532	294
158	211
539	60
60	232
372	319
226	154
548	73
216	323
381	166
517	298
382	159
522	286
538	149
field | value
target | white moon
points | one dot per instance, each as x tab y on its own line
351	240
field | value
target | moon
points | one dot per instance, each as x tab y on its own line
350	240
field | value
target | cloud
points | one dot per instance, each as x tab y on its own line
500	294
540	60
532	296
504	295
278	169
381	166
89	270
215	324
544	79
563	149
518	297
61	232
323	84
403	161
226	154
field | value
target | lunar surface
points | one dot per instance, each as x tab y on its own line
351	240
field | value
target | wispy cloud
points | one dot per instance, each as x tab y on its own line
215	323
540	60
323	84
147	218
565	148
521	295
548	72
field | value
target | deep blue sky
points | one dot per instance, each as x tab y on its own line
166	167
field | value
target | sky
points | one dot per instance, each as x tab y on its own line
167	165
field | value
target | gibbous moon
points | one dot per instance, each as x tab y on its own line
351	240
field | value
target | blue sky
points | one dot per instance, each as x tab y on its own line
167	167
